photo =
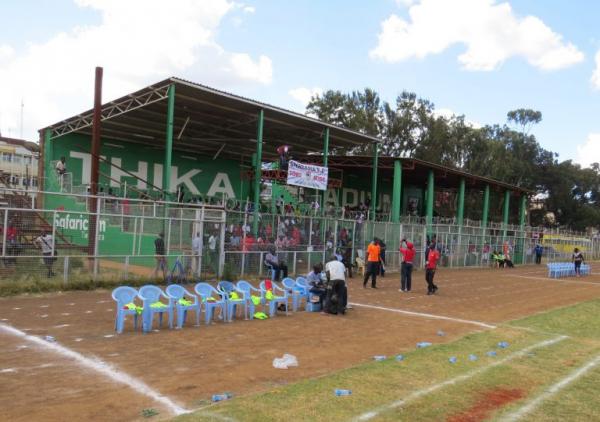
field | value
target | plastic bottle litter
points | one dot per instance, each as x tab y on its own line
492	353
50	339
221	397
379	358
503	345
472	357
285	362
423	344
452	359
399	358
441	333
339	392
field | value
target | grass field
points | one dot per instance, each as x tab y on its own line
425	386
549	371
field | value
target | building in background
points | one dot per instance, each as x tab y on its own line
18	163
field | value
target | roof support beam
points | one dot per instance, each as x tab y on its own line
258	171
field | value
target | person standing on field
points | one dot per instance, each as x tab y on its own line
373	257
577	260
408	255
159	254
432	259
539	250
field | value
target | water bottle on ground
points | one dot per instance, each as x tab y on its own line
423	344
503	345
50	339
379	358
399	358
492	353
340	392
221	397
472	357
452	359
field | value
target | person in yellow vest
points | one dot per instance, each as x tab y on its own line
373	258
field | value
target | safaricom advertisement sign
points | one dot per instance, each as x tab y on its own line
79	223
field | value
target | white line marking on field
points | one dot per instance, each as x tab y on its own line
401	311
519	413
420	393
556	280
99	367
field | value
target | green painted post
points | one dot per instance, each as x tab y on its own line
48	154
506	208
484	216
397	193
169	143
461	202
374	181
430	195
258	170
522	213
325	163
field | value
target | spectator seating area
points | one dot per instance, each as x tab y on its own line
566	269
223	302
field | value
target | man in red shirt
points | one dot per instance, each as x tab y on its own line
408	255
373	257
432	258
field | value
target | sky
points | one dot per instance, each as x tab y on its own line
478	58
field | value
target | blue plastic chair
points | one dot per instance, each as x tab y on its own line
206	291
303	285
247	291
277	300
295	291
124	295
228	288
150	294
175	292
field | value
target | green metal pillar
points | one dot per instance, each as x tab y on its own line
325	162
520	258
169	143
397	193
486	206
374	181
258	170
430	195
505	212
460	215
48	154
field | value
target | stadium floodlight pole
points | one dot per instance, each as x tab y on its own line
258	170
95	170
397	193
506	208
486	207
430	192
374	180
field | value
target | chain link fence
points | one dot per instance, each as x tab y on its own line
66	242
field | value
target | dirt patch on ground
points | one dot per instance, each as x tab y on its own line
191	364
486	404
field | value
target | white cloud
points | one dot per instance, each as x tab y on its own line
448	114
596	74
303	95
137	42
491	32
589	151
249	9
405	3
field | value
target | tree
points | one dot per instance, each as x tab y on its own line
525	118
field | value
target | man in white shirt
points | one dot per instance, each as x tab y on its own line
61	167
337	294
197	253
46	243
